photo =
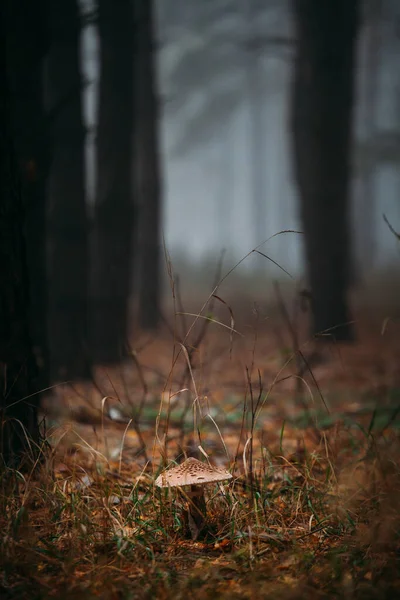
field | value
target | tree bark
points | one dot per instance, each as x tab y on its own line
67	215
149	174
114	213
322	108
19	430
27	43
364	215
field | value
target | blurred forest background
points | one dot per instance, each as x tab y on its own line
157	133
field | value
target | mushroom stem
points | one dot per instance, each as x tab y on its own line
197	510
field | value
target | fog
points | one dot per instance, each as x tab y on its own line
224	71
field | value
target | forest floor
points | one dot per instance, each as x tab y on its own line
310	434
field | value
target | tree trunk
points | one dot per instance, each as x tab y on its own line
114	215
149	174
27	43
67	215
364	214
322	108
257	130
223	160
19	430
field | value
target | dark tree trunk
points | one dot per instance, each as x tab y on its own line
322	106
19	430
149	174
27	42
67	215
114	216
364	218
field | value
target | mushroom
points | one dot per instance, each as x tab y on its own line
196	474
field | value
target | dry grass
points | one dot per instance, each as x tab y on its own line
303	524
312	509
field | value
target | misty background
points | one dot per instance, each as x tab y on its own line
224	73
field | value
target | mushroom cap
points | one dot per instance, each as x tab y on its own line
191	472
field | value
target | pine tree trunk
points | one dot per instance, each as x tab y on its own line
322	108
19	430
364	215
67	215
149	169
114	215
27	43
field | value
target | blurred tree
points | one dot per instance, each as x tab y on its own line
364	215
19	430
114	211
67	217
27	43
223	166
254	83
148	167
322	109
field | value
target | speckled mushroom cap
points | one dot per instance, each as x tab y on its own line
191	472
